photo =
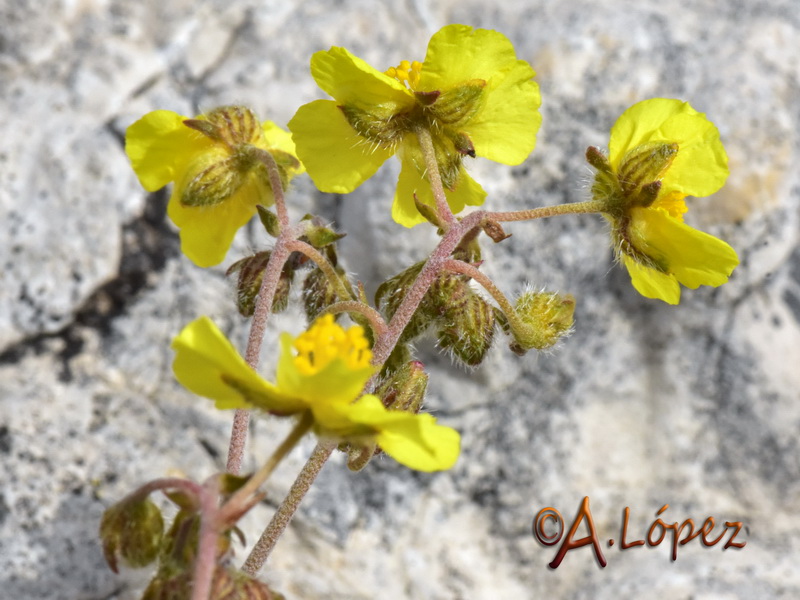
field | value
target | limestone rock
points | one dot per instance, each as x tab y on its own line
693	406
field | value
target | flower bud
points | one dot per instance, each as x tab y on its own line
251	274
391	293
319	292
320	236
269	220
132	530
405	389
542	319
469	329
227	584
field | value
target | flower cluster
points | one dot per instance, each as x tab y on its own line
470	97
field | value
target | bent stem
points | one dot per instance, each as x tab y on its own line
323	263
373	317
274	174
240	502
459	266
386	342
433	266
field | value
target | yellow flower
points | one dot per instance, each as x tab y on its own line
660	151
471	92
214	163
322	371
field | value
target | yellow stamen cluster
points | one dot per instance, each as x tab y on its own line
674	204
407	73
326	341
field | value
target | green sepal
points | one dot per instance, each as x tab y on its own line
458	104
132	530
269	220
429	213
319	237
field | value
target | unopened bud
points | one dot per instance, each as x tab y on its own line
320	236
227	584
543	319
469	329
391	293
405	389
132	530
269	220
251	274
319	292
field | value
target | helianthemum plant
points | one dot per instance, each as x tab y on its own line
661	151
360	388
470	97
216	161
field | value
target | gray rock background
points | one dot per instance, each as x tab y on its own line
646	404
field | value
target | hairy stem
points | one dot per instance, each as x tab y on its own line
261	551
277	186
206	560
384	345
324	264
434	177
542	212
239	502
263	307
374	318
459	266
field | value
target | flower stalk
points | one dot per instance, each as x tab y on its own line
446	217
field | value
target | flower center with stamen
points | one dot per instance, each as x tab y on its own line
407	73
326	341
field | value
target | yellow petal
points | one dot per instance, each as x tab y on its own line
350	80
459	53
700	167
159	145
414	440
335	383
504	129
335	156
651	283
694	257
207	364
208	231
411	182
276	138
